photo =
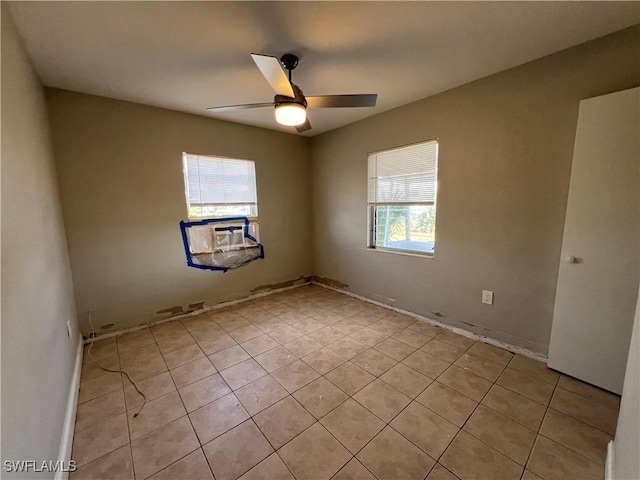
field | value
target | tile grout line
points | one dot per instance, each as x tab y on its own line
548	404
126	410
549	407
540	426
471	414
187	413
368	347
316	421
386	424
183	406
113	416
578	420
251	417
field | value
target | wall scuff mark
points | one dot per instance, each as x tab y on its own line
330	282
290	283
177	310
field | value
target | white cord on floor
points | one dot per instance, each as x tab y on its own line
93	334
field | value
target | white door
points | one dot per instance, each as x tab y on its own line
600	261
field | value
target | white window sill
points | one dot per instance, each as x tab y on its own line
197	219
428	256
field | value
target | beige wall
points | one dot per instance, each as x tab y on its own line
37	296
122	188
506	145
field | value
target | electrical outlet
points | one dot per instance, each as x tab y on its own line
69	328
487	297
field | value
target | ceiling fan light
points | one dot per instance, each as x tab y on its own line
290	114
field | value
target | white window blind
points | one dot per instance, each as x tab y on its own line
402	198
220	187
405	175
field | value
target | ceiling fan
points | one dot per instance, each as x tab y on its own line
290	103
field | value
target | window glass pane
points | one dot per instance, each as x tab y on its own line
223	210
405	227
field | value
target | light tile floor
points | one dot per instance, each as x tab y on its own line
312	384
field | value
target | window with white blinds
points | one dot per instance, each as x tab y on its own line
402	195
219	187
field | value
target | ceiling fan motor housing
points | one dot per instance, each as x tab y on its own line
298	99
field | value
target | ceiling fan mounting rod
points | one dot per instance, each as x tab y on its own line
289	62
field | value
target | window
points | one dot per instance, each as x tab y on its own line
402	198
216	189
219	187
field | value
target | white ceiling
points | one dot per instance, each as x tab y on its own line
187	56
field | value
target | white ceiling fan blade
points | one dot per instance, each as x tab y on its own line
272	70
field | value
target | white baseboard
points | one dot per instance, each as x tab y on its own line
66	442
608	466
460	331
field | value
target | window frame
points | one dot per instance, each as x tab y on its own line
191	218
371	207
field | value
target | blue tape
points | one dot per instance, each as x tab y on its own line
185	240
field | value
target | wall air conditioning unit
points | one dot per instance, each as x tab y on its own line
221	243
